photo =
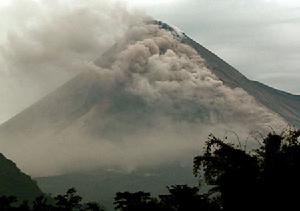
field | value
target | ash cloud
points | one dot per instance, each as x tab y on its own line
172	77
45	43
160	98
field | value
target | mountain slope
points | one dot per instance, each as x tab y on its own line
120	125
57	110
78	96
15	183
102	185
283	103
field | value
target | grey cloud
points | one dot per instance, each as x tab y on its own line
247	34
45	43
178	74
182	100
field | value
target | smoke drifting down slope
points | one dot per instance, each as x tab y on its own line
45	43
151	99
173	79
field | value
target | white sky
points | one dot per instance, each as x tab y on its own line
260	33
261	38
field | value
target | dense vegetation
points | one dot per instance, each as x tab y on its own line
266	178
65	202
14	182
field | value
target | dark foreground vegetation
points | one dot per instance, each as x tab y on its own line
267	178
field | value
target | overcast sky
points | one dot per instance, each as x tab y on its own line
261	38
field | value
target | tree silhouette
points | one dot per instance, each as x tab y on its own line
24	206
69	201
126	201
6	202
279	159
183	197
92	206
267	178
41	203
232	172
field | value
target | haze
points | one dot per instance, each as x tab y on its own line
259	38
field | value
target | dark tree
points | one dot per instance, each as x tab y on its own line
183	197
6	202
136	202
41	204
69	201
24	206
266	179
279	159
92	206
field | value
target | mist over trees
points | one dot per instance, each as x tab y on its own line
230	178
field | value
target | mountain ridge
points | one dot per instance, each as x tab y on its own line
13	182
74	103
286	104
266	95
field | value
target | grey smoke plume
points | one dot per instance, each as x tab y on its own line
45	43
172	77
161	99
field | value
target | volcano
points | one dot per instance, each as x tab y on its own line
135	116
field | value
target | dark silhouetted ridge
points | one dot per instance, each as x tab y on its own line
13	182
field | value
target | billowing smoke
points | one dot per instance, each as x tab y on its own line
159	98
45	43
174	79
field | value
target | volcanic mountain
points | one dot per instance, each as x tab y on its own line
137	112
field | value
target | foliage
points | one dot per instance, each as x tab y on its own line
179	198
69	201
263	179
16	183
183	197
267	178
135	201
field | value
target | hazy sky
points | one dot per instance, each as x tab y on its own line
261	38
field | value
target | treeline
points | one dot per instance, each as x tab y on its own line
180	197
267	178
70	201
